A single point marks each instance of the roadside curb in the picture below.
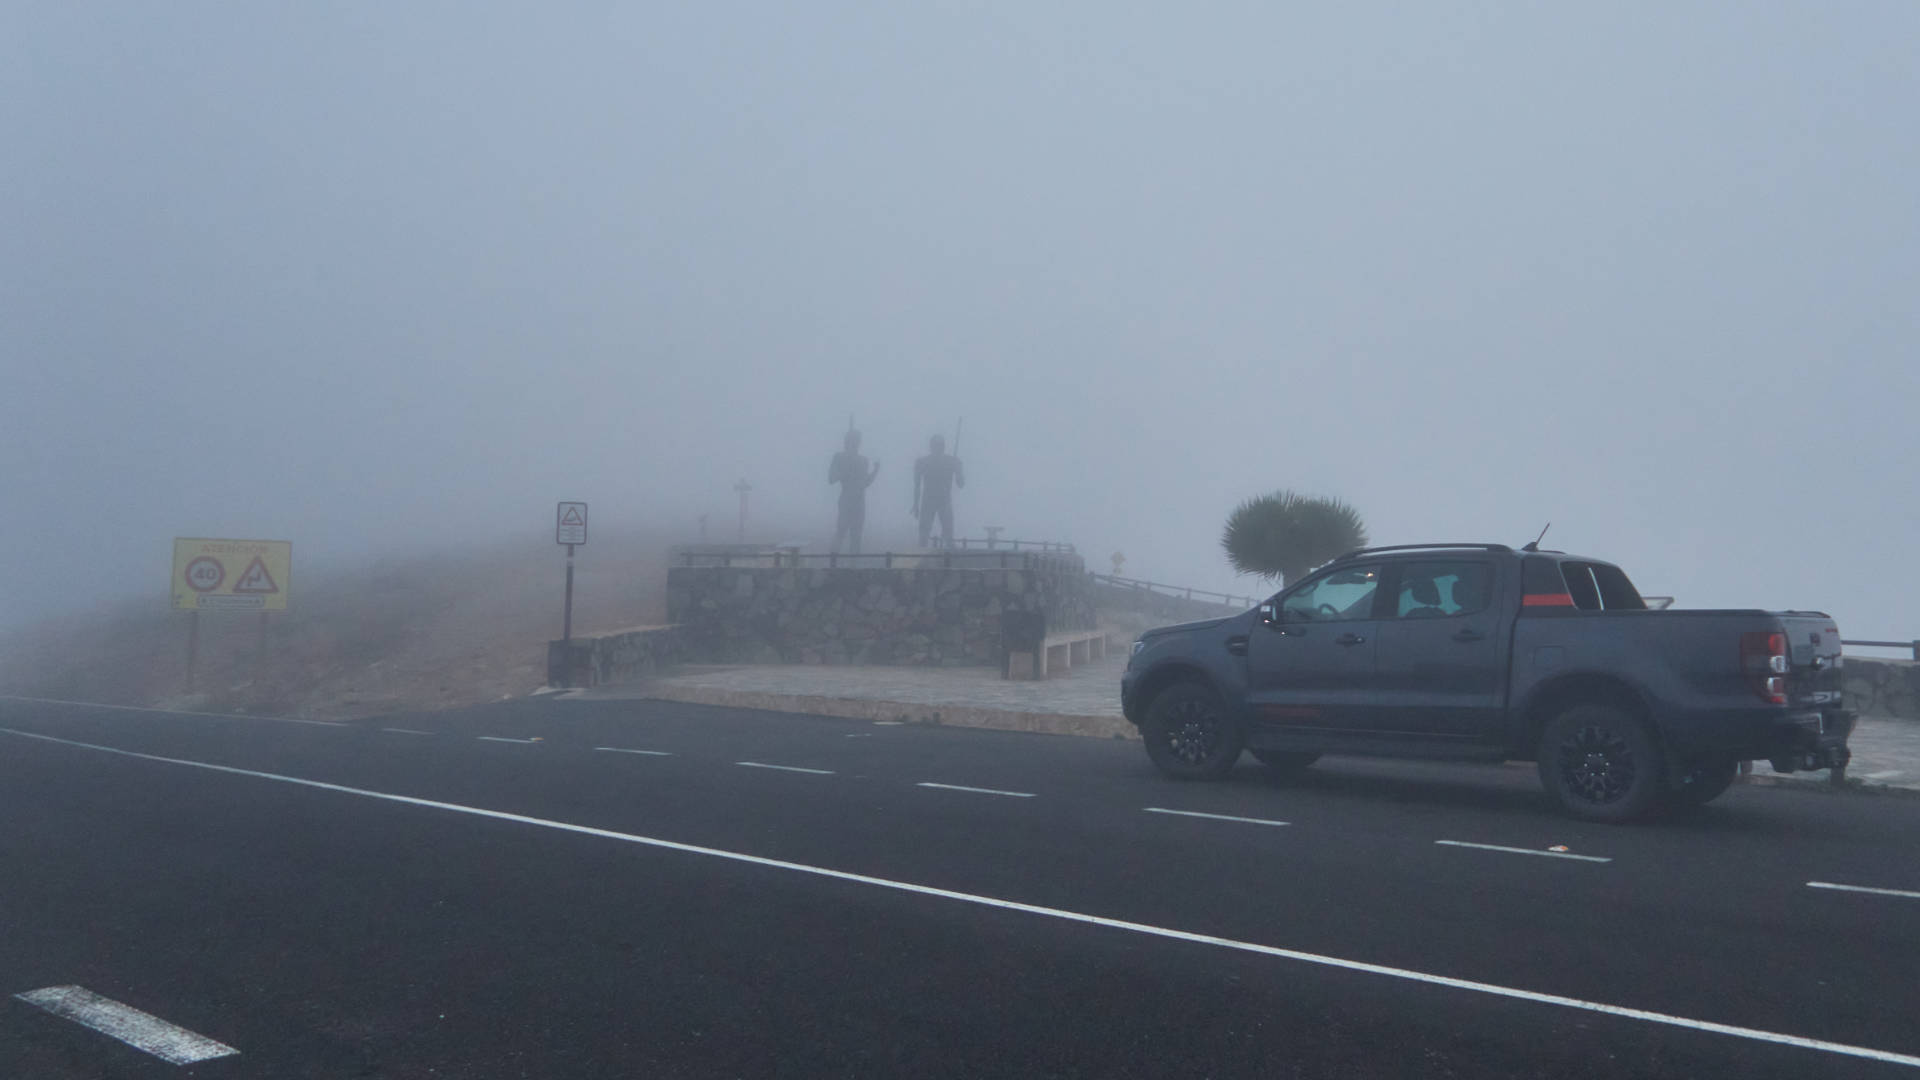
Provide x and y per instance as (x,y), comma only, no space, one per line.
(905,712)
(1853,786)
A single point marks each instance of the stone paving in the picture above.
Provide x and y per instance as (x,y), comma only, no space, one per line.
(1084,701)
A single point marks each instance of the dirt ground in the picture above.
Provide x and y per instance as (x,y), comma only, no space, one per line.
(404,634)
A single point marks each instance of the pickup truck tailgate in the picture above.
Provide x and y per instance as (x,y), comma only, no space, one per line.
(1813,648)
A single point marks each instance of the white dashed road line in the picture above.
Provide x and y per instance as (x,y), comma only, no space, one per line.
(1215,817)
(502,738)
(142,1031)
(1510,993)
(976,790)
(406,731)
(624,750)
(784,768)
(1864,889)
(1523,851)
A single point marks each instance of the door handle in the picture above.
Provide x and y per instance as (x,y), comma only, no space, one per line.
(1469,635)
(1350,639)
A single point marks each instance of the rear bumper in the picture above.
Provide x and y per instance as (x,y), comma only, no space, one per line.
(1790,741)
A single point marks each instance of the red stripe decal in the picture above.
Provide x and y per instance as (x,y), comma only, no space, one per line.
(1547,600)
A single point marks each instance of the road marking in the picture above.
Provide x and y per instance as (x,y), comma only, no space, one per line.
(1145,929)
(1524,851)
(142,1031)
(502,738)
(859,735)
(784,768)
(173,712)
(1884,774)
(406,731)
(1862,888)
(1215,817)
(624,750)
(976,790)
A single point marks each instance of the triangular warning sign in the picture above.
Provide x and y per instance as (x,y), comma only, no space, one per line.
(256,579)
(572,517)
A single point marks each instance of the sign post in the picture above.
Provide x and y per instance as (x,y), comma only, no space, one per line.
(228,575)
(569,528)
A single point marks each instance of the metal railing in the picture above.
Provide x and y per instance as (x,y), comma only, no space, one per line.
(944,558)
(1181,591)
(991,543)
(1914,645)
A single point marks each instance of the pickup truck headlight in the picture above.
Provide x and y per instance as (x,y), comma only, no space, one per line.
(1138,644)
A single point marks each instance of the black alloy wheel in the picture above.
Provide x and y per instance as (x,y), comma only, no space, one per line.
(1600,763)
(1188,733)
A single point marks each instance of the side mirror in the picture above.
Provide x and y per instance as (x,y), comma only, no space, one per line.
(1270,613)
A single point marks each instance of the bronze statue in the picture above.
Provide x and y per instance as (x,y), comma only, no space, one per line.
(934,478)
(852,472)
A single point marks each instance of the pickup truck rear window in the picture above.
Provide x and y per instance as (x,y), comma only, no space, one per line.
(1600,587)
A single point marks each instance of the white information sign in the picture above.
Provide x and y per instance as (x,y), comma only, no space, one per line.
(570,524)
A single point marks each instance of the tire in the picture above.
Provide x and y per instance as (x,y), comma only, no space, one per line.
(1285,761)
(1188,733)
(1705,781)
(1600,763)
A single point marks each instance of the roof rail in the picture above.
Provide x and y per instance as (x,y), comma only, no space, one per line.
(1357,552)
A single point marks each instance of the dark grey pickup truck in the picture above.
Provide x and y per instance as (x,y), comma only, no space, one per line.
(1481,652)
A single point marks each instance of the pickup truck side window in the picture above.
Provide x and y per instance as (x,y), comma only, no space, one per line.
(1434,590)
(1347,593)
(1601,587)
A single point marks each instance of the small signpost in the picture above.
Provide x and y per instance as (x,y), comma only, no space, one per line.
(228,575)
(569,528)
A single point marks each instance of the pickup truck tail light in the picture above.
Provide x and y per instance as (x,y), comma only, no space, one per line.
(1763,660)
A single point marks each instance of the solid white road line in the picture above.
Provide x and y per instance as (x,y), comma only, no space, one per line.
(142,1031)
(172,712)
(1862,888)
(976,790)
(624,750)
(1146,929)
(406,731)
(784,768)
(1524,851)
(502,738)
(1215,817)
(1884,774)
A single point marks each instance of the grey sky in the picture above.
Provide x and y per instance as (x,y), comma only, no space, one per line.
(384,277)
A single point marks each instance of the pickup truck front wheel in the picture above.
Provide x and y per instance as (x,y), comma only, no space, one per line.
(1599,763)
(1188,733)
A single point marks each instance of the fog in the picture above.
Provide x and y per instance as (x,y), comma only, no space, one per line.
(394,278)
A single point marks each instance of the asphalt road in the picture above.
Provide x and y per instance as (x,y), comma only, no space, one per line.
(430,896)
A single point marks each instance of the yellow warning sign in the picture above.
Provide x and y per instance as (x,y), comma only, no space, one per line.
(231,575)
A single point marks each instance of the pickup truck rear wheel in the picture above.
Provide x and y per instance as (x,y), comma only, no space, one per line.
(1188,733)
(1600,763)
(1284,761)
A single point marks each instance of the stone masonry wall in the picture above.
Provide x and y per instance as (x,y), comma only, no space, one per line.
(620,657)
(1877,687)
(925,616)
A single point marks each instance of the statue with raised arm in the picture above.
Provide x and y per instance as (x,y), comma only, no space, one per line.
(934,478)
(851,470)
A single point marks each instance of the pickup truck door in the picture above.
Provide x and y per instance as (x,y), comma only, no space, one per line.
(1441,665)
(1310,657)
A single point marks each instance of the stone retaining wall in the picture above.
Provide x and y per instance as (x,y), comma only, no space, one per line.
(1877,687)
(620,657)
(927,616)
